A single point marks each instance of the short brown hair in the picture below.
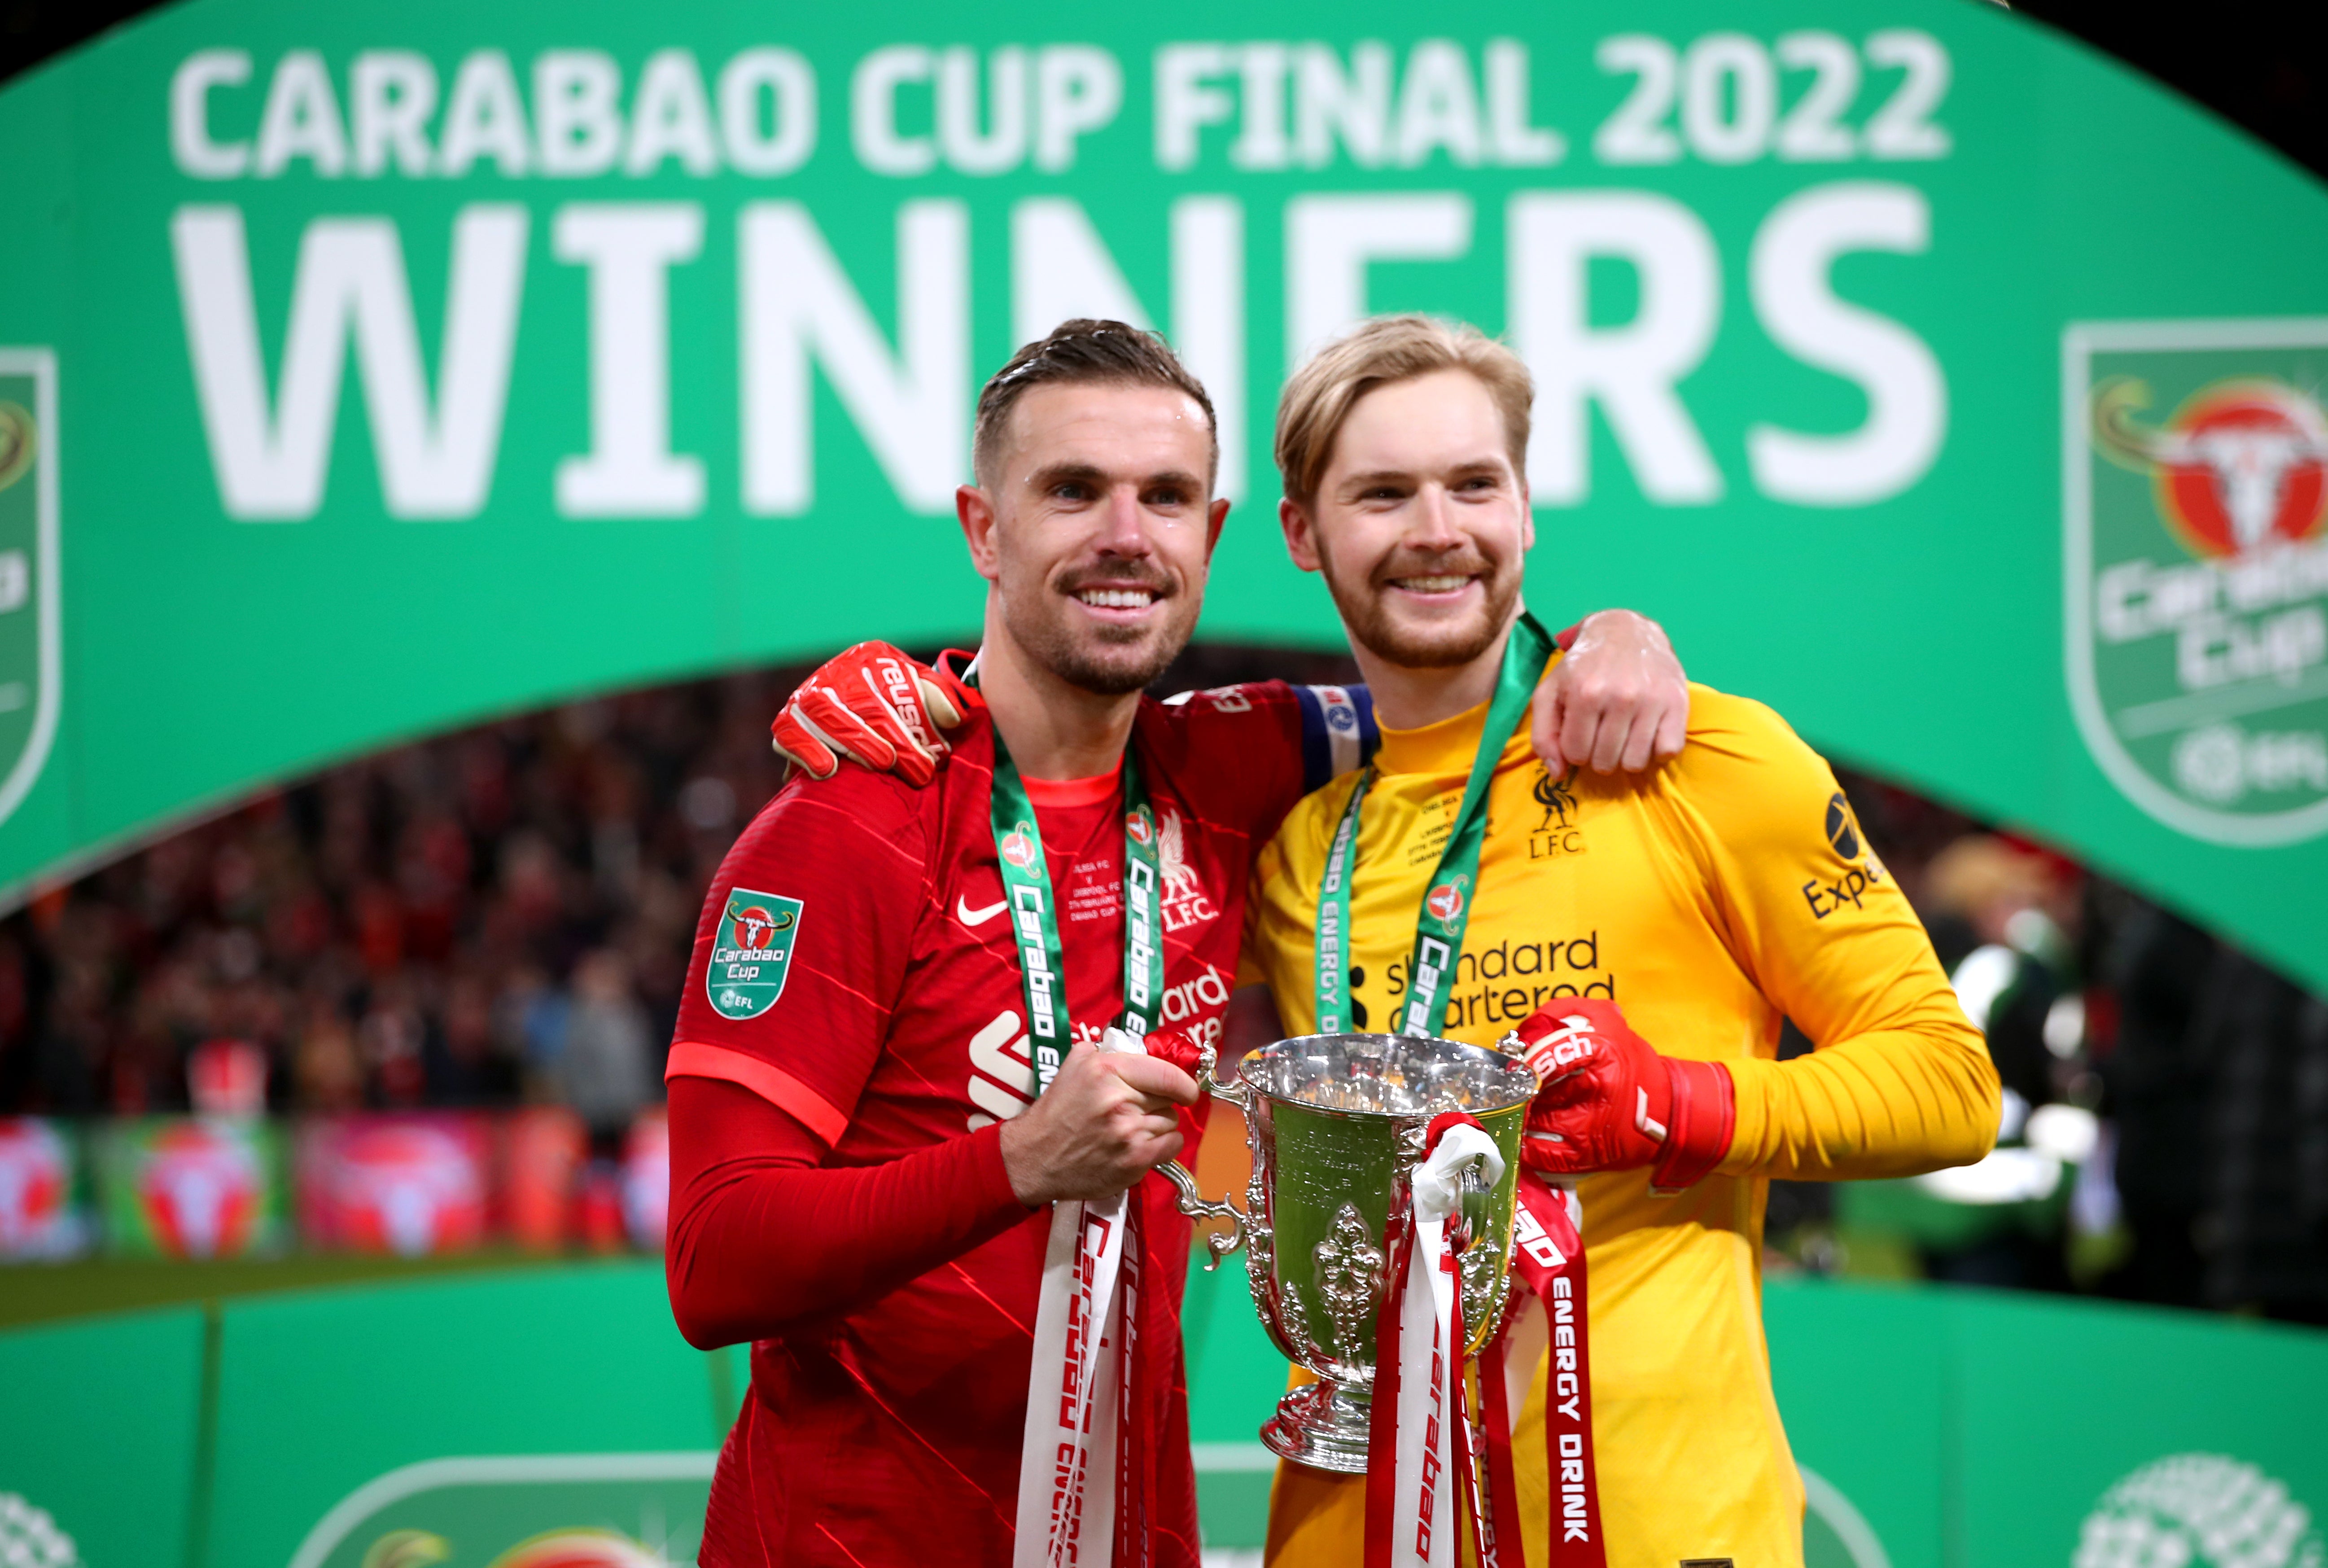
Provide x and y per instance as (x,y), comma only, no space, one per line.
(1087,352)
(1318,400)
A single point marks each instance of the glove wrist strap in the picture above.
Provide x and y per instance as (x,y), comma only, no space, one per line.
(1703,1118)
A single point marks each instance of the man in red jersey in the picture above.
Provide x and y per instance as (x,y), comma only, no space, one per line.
(885,1074)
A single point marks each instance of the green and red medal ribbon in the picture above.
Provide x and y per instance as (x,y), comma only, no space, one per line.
(1034,913)
(1549,1254)
(1446,909)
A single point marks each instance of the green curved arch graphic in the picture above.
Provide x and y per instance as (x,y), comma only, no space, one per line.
(425,363)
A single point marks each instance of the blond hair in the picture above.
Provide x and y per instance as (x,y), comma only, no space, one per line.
(1316,402)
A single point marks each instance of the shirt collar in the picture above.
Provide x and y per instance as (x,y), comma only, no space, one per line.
(1447,747)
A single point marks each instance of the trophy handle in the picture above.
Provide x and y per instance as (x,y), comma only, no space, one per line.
(1193,1202)
(1209,1080)
(1195,1205)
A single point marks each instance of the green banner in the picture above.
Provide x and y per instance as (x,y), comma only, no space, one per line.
(555,1417)
(482,1412)
(368,369)
(101,1457)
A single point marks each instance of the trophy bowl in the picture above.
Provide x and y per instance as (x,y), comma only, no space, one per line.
(1336,1123)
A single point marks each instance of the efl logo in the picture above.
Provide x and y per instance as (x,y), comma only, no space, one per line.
(2195,514)
(1141,829)
(1446,902)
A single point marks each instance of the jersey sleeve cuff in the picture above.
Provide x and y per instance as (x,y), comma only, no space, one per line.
(695,1059)
(1705,1123)
(1751,1084)
(990,1174)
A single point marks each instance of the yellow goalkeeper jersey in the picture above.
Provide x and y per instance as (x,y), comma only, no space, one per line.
(1724,893)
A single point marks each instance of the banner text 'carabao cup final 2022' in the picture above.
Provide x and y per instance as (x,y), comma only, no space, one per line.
(370,369)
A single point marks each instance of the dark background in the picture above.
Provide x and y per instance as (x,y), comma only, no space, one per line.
(2263,66)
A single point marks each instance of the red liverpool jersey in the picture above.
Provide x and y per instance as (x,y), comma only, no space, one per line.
(854,966)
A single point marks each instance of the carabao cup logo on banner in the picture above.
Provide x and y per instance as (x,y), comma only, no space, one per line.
(203,1188)
(31,640)
(410,1187)
(2196,509)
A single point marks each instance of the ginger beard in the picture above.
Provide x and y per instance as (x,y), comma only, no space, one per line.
(1103,532)
(1421,523)
(1394,610)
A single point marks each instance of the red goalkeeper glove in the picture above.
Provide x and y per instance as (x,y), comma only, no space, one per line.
(873,705)
(1609,1101)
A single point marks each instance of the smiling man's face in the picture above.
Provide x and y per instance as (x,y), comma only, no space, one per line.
(1102,528)
(1420,523)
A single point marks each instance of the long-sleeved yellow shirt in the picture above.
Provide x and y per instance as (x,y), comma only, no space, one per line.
(1727,891)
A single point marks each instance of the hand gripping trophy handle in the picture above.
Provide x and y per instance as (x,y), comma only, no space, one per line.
(1193,1202)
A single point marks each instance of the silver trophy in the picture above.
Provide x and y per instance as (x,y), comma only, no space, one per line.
(1336,1123)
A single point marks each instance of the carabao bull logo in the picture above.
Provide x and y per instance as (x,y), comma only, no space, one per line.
(2241,467)
(2196,509)
(756,928)
(202,1188)
(30,630)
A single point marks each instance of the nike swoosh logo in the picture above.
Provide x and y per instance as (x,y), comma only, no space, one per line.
(969,917)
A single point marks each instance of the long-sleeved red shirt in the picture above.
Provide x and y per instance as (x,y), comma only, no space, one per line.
(763,1240)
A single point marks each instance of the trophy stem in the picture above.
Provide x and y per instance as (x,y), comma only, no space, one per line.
(1324,1425)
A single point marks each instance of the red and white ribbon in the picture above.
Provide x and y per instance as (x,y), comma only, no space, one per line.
(1079,1463)
(1426,1472)
(1420,1479)
(1548,1256)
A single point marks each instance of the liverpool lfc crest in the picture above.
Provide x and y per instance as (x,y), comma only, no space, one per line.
(2195,469)
(30,637)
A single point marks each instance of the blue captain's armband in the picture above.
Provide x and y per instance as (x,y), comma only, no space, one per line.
(1338,731)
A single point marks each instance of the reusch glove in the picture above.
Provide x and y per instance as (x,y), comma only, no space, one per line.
(1607,1101)
(873,705)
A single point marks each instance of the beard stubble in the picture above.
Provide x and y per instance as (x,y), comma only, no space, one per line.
(1139,655)
(1371,623)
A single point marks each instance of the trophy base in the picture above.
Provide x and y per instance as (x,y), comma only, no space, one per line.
(1322,1425)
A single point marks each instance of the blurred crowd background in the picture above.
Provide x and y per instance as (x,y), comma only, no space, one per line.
(465,956)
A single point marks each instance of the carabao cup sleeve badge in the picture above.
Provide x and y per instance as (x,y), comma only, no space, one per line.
(751,953)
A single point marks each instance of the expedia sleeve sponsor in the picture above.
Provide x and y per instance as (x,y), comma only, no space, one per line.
(1830,892)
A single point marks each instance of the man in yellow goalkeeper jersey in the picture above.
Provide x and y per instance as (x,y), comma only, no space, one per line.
(1706,902)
